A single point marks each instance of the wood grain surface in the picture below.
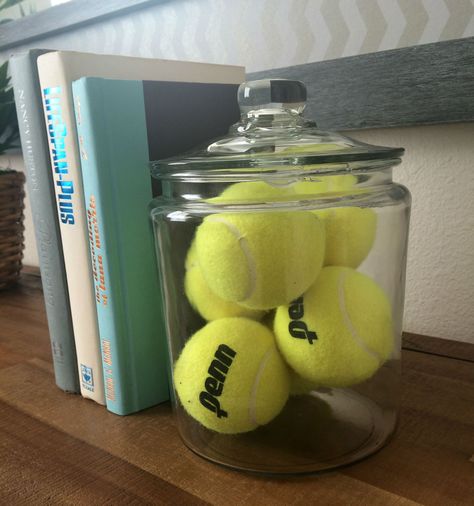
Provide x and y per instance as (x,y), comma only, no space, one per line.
(57,448)
(419,85)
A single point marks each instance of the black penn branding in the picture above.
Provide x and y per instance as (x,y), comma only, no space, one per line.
(297,327)
(214,384)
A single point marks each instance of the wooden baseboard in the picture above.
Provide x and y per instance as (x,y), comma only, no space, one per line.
(458,350)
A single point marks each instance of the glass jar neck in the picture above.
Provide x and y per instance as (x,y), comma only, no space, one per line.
(271,118)
(338,186)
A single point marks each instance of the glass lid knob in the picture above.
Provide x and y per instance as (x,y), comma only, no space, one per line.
(271,94)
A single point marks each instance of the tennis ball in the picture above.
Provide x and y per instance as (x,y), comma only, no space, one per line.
(341,182)
(230,376)
(340,332)
(350,231)
(253,191)
(350,234)
(204,300)
(311,187)
(324,184)
(300,385)
(267,320)
(260,260)
(309,149)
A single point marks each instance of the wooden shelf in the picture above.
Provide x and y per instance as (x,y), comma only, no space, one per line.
(60,448)
(420,85)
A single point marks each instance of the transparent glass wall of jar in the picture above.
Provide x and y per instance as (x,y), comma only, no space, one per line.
(283,278)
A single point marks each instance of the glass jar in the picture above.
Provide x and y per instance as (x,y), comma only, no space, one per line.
(282,250)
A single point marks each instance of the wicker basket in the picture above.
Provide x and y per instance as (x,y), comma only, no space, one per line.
(11,226)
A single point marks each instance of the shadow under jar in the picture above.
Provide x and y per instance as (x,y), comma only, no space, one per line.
(282,251)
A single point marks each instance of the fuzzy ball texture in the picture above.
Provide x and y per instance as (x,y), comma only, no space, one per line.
(300,385)
(230,376)
(204,300)
(350,234)
(260,260)
(339,183)
(254,191)
(340,332)
(308,149)
(350,231)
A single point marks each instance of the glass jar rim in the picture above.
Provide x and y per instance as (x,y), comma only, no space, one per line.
(235,168)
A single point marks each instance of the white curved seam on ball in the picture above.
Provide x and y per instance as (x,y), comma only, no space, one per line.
(347,320)
(248,256)
(253,394)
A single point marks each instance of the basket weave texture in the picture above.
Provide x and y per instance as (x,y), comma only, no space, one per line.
(11,226)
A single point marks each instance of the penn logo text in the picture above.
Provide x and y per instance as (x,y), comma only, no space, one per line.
(214,384)
(297,327)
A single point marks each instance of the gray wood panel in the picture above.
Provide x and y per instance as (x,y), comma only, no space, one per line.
(63,17)
(419,85)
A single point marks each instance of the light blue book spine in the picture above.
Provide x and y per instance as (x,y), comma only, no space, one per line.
(112,136)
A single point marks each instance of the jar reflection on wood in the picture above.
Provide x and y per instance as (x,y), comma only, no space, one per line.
(282,250)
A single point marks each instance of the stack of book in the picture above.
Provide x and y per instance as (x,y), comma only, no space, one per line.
(89,126)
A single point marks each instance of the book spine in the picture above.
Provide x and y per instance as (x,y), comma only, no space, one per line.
(35,149)
(65,164)
(98,200)
(113,137)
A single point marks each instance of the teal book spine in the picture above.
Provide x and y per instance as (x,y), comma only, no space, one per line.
(112,138)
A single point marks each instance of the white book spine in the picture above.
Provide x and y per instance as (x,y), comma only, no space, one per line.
(65,163)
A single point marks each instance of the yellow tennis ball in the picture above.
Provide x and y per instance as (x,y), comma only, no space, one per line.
(315,148)
(204,300)
(260,260)
(267,320)
(339,183)
(230,376)
(350,231)
(300,385)
(340,332)
(310,188)
(350,234)
(253,191)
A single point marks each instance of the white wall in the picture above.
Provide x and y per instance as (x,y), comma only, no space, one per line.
(438,169)
(263,34)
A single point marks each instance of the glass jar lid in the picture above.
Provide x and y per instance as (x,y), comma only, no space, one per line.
(273,137)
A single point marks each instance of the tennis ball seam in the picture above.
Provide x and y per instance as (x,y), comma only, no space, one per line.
(243,244)
(256,382)
(348,322)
